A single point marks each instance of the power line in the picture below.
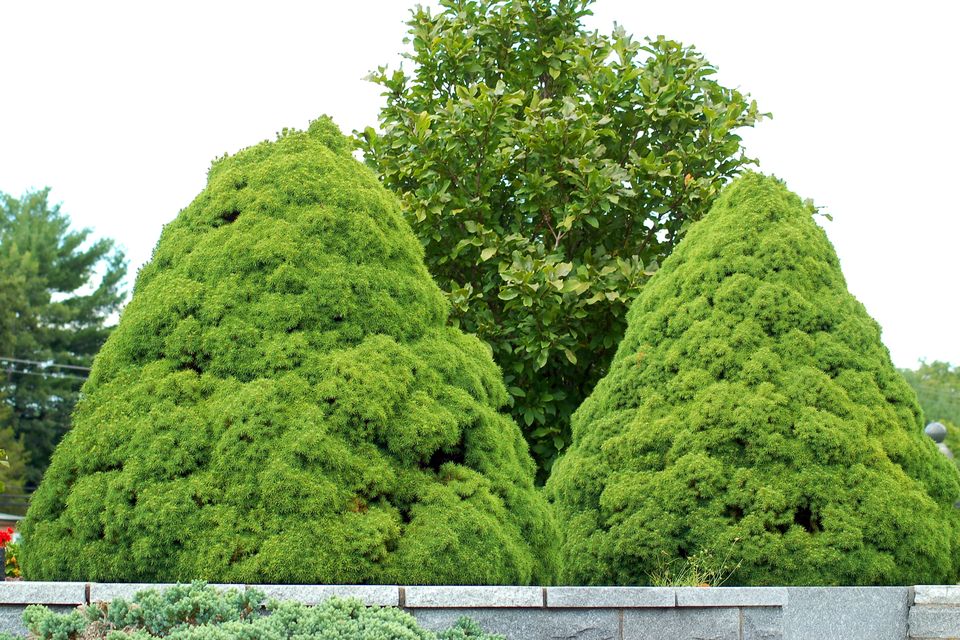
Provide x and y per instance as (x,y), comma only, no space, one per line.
(45,364)
(44,375)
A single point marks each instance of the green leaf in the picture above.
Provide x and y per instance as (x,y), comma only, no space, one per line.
(488,253)
(571,356)
(507,294)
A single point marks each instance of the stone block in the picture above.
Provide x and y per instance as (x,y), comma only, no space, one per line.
(29,592)
(713,623)
(459,597)
(934,622)
(370,595)
(530,624)
(936,594)
(731,596)
(610,597)
(108,591)
(846,613)
(762,623)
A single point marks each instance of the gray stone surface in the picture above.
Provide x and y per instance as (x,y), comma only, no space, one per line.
(731,596)
(762,623)
(934,622)
(417,597)
(936,431)
(11,618)
(625,597)
(714,623)
(26,592)
(531,624)
(846,613)
(107,591)
(936,594)
(371,595)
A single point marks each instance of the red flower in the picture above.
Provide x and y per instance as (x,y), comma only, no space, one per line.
(6,536)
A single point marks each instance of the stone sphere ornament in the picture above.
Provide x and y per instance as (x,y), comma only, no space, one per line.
(937,431)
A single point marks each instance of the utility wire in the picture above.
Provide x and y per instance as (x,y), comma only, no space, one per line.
(45,364)
(44,375)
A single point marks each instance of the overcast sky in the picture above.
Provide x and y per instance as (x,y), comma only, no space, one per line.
(121,106)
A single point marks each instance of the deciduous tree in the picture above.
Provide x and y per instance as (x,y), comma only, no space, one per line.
(547,169)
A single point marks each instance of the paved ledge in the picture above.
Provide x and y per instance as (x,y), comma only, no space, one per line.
(107,591)
(470,597)
(21,592)
(370,595)
(731,596)
(610,597)
(936,594)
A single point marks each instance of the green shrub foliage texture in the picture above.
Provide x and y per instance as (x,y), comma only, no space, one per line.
(283,401)
(752,411)
(199,612)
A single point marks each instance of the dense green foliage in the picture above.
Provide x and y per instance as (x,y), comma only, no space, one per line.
(547,169)
(283,401)
(57,292)
(200,612)
(752,407)
(938,389)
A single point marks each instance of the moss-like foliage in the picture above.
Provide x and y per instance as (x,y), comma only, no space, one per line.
(282,401)
(752,412)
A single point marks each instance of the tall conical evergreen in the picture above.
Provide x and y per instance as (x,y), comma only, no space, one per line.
(282,402)
(752,412)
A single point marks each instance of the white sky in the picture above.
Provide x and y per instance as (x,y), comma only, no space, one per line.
(121,106)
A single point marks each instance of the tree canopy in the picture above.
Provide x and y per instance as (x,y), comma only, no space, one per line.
(58,292)
(547,169)
(753,408)
(283,401)
(938,389)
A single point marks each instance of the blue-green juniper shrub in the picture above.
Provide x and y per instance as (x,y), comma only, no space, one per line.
(283,401)
(200,612)
(753,408)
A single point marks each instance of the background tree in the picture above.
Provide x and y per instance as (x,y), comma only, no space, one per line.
(547,170)
(58,295)
(938,389)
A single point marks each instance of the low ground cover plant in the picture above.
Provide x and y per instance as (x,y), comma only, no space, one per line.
(752,399)
(200,612)
(283,401)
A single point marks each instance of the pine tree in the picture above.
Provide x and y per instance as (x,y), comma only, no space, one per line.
(752,411)
(58,292)
(283,402)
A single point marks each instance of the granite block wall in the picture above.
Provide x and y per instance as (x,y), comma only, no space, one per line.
(602,613)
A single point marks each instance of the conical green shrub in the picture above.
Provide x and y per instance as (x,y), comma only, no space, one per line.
(283,402)
(753,414)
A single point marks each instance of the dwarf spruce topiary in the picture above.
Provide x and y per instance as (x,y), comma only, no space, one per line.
(752,413)
(282,402)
